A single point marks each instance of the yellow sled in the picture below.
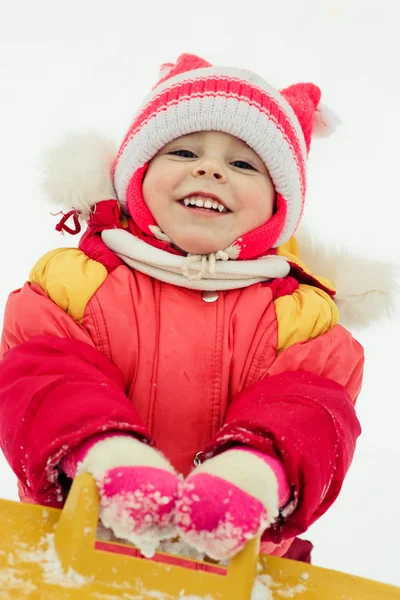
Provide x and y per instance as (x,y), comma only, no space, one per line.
(49,554)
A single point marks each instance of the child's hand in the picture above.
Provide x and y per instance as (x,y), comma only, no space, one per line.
(138,487)
(230,499)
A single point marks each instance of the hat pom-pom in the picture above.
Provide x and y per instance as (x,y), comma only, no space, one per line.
(165,69)
(325,121)
(78,173)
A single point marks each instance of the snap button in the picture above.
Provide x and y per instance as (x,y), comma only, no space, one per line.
(210,296)
(197,459)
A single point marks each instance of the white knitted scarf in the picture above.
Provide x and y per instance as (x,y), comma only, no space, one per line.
(211,272)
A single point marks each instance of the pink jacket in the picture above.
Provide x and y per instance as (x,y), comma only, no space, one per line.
(91,345)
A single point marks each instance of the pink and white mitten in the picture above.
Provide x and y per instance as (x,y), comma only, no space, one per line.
(137,485)
(230,499)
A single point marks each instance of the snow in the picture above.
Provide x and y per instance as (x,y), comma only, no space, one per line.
(11,580)
(261,589)
(222,541)
(51,85)
(115,514)
(52,570)
(175,546)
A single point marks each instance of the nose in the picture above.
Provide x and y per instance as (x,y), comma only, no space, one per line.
(209,169)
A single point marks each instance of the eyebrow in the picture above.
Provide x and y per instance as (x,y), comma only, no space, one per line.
(240,144)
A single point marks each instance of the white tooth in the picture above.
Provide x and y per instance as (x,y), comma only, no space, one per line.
(192,201)
(186,202)
(200,203)
(221,208)
(208,204)
(215,204)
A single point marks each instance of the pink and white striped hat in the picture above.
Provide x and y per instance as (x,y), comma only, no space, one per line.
(192,95)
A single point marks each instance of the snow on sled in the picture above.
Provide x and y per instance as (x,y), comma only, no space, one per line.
(52,554)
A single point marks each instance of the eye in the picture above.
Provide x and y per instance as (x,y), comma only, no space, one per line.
(183,153)
(242,164)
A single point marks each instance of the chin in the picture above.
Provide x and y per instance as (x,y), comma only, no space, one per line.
(199,248)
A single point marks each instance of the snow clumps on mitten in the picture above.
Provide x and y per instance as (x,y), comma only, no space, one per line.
(138,487)
(230,499)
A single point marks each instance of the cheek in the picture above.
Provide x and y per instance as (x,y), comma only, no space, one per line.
(160,181)
(262,202)
(150,184)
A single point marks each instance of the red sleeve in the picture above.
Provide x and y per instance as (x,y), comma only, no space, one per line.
(54,393)
(305,416)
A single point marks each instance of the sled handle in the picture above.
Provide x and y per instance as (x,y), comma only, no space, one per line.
(75,538)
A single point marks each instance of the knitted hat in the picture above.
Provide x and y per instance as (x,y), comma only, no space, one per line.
(194,96)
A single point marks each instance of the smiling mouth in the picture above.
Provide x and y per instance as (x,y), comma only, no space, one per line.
(205,204)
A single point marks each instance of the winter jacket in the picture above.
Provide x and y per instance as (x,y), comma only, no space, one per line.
(92,345)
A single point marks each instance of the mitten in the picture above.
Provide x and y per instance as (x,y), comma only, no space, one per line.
(230,499)
(137,486)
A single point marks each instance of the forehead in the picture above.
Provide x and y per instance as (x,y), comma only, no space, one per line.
(213,136)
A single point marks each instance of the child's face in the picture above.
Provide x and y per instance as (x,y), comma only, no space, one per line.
(208,166)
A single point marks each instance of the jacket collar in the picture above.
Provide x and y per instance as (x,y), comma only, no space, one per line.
(109,228)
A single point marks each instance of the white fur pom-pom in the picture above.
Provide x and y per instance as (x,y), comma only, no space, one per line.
(325,121)
(78,172)
(366,290)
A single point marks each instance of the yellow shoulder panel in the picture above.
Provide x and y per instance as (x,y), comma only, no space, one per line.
(291,251)
(69,278)
(306,314)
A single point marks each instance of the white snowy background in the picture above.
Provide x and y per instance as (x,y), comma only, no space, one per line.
(87,64)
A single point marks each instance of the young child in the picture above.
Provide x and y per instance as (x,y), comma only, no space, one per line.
(184,355)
